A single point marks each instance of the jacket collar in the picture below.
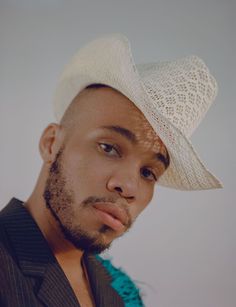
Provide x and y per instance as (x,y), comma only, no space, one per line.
(35,259)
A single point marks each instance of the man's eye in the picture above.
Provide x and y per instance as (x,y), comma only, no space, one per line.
(148,174)
(111,150)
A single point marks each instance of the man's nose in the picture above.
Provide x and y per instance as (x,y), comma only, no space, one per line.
(125,183)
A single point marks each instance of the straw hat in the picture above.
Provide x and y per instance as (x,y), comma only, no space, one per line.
(174,96)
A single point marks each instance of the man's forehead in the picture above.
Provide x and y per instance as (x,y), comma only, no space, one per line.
(112,108)
(135,119)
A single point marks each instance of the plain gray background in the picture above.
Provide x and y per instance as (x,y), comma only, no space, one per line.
(182,248)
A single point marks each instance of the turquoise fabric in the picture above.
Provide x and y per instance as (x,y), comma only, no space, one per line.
(122,284)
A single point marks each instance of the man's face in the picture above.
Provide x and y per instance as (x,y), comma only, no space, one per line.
(105,171)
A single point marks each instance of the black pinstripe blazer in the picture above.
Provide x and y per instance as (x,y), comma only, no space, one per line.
(29,273)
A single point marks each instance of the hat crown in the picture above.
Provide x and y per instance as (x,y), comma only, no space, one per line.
(181,90)
(173,96)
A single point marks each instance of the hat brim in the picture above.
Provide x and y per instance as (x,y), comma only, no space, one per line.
(109,61)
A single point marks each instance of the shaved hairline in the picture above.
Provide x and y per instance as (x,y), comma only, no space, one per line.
(67,121)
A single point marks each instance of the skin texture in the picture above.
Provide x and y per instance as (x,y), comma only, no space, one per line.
(85,164)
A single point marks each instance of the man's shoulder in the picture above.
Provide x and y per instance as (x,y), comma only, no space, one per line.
(3,232)
(5,243)
(7,257)
(9,225)
(122,283)
(6,217)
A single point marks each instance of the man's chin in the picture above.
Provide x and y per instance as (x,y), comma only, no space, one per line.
(87,243)
(89,247)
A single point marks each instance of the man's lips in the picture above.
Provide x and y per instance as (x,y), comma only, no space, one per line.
(111,215)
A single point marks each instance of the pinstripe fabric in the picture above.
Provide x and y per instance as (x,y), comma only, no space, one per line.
(29,273)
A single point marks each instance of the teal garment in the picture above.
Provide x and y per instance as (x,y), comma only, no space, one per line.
(122,284)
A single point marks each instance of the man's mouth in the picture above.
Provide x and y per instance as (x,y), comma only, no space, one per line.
(112,216)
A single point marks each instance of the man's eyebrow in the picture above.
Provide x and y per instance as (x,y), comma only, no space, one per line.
(130,136)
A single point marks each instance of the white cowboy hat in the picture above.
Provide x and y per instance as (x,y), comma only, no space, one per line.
(174,96)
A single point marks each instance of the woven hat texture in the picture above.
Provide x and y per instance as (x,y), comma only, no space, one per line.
(174,96)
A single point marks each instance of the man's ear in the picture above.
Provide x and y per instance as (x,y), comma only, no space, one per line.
(50,142)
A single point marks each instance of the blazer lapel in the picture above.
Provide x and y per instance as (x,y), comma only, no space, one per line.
(35,258)
(100,282)
(55,289)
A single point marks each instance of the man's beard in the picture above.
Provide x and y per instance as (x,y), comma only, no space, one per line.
(59,200)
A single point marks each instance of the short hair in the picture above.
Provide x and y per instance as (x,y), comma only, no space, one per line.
(96,85)
(67,118)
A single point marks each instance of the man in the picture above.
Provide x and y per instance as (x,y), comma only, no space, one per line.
(121,130)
